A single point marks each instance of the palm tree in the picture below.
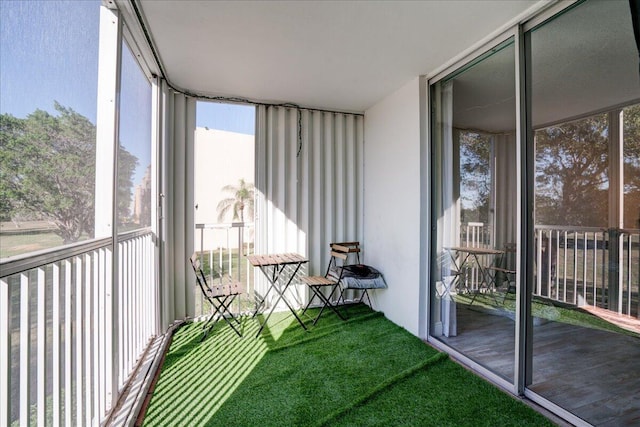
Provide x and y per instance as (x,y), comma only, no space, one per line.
(242,199)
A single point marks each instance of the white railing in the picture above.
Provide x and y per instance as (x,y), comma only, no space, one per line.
(223,247)
(589,266)
(629,301)
(475,235)
(58,355)
(139,299)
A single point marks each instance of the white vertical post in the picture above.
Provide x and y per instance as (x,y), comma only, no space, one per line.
(136,285)
(97,353)
(67,342)
(41,361)
(146,299)
(109,59)
(106,122)
(89,270)
(5,353)
(79,338)
(575,267)
(564,268)
(229,253)
(595,269)
(103,327)
(25,350)
(56,348)
(584,267)
(628,262)
(123,280)
(556,254)
(539,263)
(154,301)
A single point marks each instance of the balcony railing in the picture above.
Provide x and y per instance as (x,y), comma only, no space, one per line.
(223,248)
(575,265)
(589,266)
(62,353)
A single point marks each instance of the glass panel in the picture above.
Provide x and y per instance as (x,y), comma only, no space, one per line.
(49,68)
(134,153)
(474,186)
(572,167)
(584,322)
(631,117)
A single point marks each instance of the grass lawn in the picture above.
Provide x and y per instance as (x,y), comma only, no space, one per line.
(16,244)
(366,371)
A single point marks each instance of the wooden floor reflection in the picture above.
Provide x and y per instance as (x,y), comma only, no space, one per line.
(593,374)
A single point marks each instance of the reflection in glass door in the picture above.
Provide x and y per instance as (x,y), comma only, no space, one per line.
(584,325)
(474,209)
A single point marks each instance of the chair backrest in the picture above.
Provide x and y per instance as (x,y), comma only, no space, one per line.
(200,277)
(342,250)
(510,256)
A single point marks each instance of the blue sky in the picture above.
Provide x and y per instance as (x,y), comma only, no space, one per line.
(49,52)
(229,117)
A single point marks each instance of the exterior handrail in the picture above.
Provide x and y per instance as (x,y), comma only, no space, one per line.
(224,225)
(23,262)
(569,228)
(27,261)
(134,233)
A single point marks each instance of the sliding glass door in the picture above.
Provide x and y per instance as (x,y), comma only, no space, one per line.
(584,91)
(551,307)
(473,298)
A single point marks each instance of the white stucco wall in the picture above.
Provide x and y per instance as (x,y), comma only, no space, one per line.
(221,158)
(392,202)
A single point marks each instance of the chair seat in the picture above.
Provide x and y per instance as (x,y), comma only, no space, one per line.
(318,281)
(315,284)
(341,276)
(220,296)
(228,289)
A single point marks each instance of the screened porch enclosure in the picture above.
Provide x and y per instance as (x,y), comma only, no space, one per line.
(545,122)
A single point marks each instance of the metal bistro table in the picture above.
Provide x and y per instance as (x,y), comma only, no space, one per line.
(272,266)
(467,252)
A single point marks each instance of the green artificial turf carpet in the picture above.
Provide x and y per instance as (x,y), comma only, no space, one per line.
(366,371)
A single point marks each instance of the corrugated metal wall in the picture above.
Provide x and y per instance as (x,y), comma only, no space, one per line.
(178,124)
(309,189)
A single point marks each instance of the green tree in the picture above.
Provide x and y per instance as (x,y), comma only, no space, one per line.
(47,170)
(572,173)
(475,176)
(11,130)
(127,163)
(242,200)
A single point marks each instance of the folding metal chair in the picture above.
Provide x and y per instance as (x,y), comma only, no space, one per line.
(344,275)
(504,270)
(357,277)
(220,297)
(318,284)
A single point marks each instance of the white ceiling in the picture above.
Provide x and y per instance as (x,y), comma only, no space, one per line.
(581,62)
(339,55)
